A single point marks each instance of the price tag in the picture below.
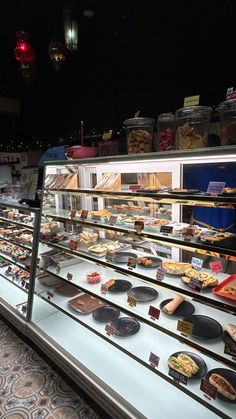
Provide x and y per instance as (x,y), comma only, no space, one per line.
(197,263)
(73,244)
(216,266)
(113,219)
(132,263)
(109,257)
(185,327)
(195,284)
(110,330)
(84,214)
(46,264)
(134,188)
(132,301)
(69,276)
(24,308)
(208,388)
(215,188)
(96,218)
(230,348)
(166,229)
(180,378)
(104,288)
(191,100)
(160,274)
(154,313)
(49,295)
(107,135)
(72,214)
(58,269)
(138,226)
(154,360)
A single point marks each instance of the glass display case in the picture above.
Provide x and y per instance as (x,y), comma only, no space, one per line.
(19,227)
(135,288)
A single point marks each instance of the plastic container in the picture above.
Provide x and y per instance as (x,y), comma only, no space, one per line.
(139,134)
(227,113)
(193,126)
(166,127)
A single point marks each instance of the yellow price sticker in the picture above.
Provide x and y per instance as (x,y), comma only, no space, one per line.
(107,135)
(132,301)
(185,327)
(191,100)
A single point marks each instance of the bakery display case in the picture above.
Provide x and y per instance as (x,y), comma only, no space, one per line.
(19,226)
(128,282)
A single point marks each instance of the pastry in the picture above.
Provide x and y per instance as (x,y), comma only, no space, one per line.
(175,268)
(190,362)
(145,261)
(173,304)
(223,386)
(231,330)
(229,290)
(179,366)
(109,283)
(184,364)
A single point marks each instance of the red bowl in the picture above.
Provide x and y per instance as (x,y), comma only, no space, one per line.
(79,152)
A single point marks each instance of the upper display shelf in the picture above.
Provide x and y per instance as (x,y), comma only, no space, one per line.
(17,206)
(208,152)
(155,197)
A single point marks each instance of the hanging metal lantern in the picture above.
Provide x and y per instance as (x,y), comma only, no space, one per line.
(24,52)
(57,54)
(70,26)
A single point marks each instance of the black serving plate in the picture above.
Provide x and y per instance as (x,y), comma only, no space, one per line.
(229,375)
(184,309)
(106,314)
(143,294)
(123,257)
(155,262)
(120,285)
(199,361)
(125,326)
(204,327)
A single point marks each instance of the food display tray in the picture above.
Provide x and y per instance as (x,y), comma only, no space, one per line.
(230,281)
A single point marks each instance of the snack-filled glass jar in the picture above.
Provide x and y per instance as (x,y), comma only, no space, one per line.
(227,112)
(193,126)
(139,134)
(166,127)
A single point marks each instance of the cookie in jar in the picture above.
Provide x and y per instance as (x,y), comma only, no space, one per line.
(139,134)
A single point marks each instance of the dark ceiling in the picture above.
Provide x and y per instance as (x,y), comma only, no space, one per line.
(133,55)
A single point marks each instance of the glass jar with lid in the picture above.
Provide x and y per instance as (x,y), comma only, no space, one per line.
(227,113)
(139,134)
(193,126)
(166,128)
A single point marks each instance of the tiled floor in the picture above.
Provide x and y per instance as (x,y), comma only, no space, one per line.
(30,388)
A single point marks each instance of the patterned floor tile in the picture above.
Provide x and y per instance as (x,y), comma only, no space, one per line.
(30,388)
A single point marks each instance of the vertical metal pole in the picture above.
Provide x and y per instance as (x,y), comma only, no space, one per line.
(35,245)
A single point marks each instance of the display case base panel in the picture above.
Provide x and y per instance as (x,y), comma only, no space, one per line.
(120,372)
(11,294)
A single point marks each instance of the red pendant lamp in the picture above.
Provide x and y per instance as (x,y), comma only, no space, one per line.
(24,52)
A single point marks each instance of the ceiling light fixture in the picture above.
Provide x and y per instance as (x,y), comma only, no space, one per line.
(57,53)
(24,52)
(70,26)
